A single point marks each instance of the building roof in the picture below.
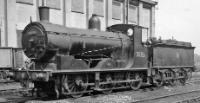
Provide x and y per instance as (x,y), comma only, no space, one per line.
(150,2)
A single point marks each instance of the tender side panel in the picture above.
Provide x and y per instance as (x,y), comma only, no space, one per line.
(173,56)
(6,58)
(18,58)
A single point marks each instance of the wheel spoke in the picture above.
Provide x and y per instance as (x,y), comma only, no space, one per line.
(135,85)
(71,84)
(158,79)
(189,75)
(184,75)
(108,86)
(73,88)
(76,87)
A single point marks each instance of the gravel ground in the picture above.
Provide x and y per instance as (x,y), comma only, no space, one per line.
(183,98)
(9,86)
(132,96)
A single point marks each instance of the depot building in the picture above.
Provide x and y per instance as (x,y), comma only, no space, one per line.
(16,14)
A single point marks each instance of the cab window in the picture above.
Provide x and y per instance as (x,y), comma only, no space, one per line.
(144,35)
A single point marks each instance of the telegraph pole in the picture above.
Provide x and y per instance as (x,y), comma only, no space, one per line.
(6,22)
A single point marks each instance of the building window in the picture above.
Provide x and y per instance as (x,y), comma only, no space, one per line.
(117,10)
(98,7)
(25,1)
(77,6)
(133,14)
(54,4)
(134,2)
(146,18)
(148,6)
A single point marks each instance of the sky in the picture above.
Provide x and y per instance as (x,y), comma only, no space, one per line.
(179,19)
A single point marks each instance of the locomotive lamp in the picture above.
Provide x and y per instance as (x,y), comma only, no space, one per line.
(130,32)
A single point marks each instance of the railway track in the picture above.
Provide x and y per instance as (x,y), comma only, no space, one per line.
(192,97)
(165,98)
(118,95)
(6,85)
(6,81)
(177,94)
(195,80)
(190,100)
(20,91)
(132,97)
(10,87)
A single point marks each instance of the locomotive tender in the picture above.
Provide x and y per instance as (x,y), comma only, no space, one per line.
(71,61)
(11,58)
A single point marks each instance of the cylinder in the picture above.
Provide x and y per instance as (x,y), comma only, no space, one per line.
(44,13)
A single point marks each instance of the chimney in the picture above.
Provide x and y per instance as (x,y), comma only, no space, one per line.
(44,13)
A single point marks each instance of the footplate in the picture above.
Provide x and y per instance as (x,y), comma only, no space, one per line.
(32,75)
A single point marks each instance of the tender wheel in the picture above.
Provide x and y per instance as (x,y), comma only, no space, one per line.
(184,75)
(25,83)
(108,87)
(3,75)
(76,85)
(172,82)
(182,81)
(189,74)
(158,79)
(135,85)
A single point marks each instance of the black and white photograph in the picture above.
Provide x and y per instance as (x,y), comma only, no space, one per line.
(99,51)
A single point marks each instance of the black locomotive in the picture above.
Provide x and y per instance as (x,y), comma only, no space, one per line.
(71,61)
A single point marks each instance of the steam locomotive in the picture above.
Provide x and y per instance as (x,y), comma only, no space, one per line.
(71,61)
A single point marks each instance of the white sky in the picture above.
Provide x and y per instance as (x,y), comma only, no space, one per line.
(179,19)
